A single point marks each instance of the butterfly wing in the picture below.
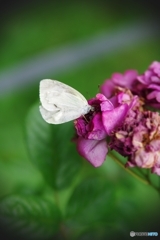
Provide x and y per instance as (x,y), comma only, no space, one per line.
(60,102)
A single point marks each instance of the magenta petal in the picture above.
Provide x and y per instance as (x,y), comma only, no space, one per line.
(156,170)
(117,78)
(114,118)
(97,132)
(106,105)
(154,94)
(101,97)
(154,86)
(126,79)
(107,88)
(155,146)
(92,150)
(130,76)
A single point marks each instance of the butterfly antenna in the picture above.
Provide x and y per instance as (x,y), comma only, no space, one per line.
(85,118)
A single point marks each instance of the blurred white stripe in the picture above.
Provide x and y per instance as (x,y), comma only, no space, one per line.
(54,61)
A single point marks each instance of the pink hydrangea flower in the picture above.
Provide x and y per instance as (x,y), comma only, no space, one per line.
(146,85)
(138,138)
(149,84)
(93,128)
(119,121)
(125,80)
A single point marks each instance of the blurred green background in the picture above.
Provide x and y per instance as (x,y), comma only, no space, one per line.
(34,27)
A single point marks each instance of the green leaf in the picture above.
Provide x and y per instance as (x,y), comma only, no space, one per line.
(33,217)
(52,150)
(92,202)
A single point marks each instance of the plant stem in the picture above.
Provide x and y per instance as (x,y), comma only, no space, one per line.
(146,180)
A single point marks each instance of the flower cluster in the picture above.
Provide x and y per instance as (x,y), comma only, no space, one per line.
(119,120)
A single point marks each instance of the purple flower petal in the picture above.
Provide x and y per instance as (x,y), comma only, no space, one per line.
(156,167)
(92,150)
(154,145)
(80,127)
(118,80)
(154,86)
(154,95)
(149,85)
(156,170)
(114,118)
(142,159)
(101,97)
(107,88)
(125,80)
(97,131)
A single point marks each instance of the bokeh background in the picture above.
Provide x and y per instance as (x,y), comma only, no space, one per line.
(80,43)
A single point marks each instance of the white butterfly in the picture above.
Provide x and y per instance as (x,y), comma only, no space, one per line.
(60,102)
